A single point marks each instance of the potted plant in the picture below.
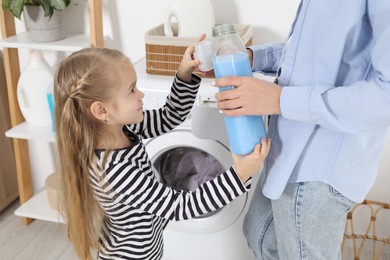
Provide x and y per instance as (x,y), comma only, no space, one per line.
(43,17)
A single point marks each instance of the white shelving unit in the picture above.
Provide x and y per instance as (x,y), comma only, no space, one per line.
(72,42)
(36,206)
(30,132)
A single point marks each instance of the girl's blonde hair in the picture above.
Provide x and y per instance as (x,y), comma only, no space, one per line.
(84,77)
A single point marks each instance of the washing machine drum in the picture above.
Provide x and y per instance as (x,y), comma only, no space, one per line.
(186,168)
(183,162)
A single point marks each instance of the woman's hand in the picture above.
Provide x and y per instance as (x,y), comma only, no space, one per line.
(188,64)
(248,165)
(251,96)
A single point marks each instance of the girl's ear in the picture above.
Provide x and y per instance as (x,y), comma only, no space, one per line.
(98,111)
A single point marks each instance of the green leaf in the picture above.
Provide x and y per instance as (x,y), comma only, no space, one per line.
(58,5)
(16,7)
(46,7)
(5,5)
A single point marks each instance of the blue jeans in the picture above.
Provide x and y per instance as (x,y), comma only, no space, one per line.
(306,222)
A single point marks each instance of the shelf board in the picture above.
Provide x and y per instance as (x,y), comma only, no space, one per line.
(72,42)
(30,132)
(38,208)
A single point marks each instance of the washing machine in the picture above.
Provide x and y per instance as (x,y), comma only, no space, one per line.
(201,138)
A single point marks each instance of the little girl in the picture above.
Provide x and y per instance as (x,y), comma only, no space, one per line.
(111,196)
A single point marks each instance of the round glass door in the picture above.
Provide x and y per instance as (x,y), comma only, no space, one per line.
(184,162)
(186,168)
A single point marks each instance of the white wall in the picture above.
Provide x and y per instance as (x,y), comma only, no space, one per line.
(126,21)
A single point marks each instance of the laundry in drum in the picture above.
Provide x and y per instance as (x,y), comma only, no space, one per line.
(186,168)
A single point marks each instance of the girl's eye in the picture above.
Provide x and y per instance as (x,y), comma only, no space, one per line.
(131,91)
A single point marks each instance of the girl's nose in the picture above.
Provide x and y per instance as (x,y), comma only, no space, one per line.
(141,94)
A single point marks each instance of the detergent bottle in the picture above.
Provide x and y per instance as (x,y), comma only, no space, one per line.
(32,90)
(230,59)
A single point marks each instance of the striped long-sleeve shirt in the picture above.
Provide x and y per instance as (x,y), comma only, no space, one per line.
(137,206)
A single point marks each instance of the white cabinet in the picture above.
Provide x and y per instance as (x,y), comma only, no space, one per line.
(35,206)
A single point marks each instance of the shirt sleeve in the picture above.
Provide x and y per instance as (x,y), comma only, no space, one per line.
(134,188)
(266,58)
(358,107)
(176,109)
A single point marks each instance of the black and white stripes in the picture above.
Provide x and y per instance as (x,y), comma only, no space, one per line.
(136,204)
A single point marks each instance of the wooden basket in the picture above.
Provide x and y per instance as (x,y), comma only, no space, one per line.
(377,210)
(52,189)
(164,54)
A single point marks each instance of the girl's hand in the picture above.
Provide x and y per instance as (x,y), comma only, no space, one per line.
(206,74)
(248,165)
(188,64)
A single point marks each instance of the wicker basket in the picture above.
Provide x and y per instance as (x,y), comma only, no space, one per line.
(51,185)
(163,54)
(370,234)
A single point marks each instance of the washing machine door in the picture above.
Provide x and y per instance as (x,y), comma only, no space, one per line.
(183,162)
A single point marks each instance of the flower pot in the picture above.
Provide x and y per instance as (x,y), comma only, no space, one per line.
(44,29)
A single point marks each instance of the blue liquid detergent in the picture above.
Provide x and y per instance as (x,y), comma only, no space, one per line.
(50,101)
(244,132)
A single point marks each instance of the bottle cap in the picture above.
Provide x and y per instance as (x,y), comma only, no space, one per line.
(223,29)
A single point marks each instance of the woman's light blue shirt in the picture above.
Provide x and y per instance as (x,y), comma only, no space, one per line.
(335,100)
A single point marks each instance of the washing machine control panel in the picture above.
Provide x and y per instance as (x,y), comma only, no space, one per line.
(154,98)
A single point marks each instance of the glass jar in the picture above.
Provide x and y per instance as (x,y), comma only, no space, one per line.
(231,59)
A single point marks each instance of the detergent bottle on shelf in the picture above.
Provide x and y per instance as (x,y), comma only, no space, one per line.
(230,59)
(32,90)
(50,102)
